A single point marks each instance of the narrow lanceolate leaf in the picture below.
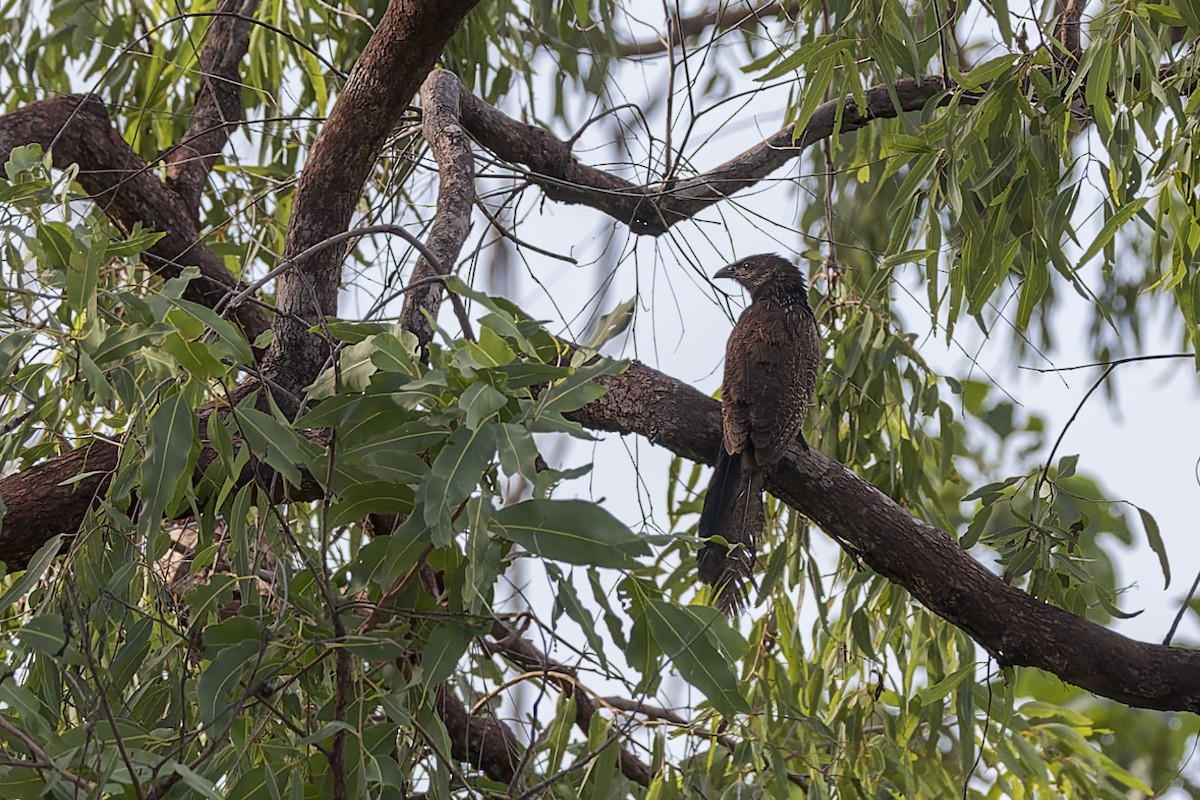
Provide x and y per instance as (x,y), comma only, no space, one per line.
(169,455)
(573,531)
(1111,225)
(1156,544)
(455,474)
(687,640)
(38,565)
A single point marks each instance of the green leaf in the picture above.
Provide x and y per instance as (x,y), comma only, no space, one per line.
(276,444)
(1111,225)
(197,783)
(687,640)
(517,450)
(170,456)
(45,633)
(945,686)
(33,573)
(1154,537)
(1066,466)
(443,650)
(456,472)
(220,683)
(481,402)
(370,497)
(577,390)
(572,531)
(612,325)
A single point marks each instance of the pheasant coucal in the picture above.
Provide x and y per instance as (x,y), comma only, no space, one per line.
(770,371)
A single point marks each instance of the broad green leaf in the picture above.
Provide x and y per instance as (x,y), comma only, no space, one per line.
(687,640)
(481,402)
(572,531)
(220,684)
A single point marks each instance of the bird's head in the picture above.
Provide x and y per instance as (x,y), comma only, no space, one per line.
(756,271)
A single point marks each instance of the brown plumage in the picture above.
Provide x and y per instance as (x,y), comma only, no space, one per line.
(770,371)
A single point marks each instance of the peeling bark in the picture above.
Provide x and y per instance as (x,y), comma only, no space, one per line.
(456,195)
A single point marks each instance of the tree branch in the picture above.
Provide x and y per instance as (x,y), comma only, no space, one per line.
(484,743)
(522,652)
(456,196)
(218,107)
(1017,629)
(409,38)
(723,18)
(76,130)
(653,210)
(1014,627)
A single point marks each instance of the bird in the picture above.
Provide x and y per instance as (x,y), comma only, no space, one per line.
(771,362)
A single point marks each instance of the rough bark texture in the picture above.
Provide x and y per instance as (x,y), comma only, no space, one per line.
(456,195)
(482,742)
(408,40)
(653,210)
(76,130)
(1011,625)
(522,652)
(218,107)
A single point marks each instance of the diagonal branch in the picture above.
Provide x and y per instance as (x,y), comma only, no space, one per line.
(653,210)
(522,652)
(76,130)
(456,196)
(218,107)
(410,36)
(1013,626)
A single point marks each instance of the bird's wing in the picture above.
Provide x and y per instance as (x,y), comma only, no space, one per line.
(770,370)
(750,364)
(777,418)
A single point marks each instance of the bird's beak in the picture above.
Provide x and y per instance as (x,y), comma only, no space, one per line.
(724,272)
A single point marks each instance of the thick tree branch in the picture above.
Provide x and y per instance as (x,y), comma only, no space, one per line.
(456,196)
(76,130)
(218,107)
(652,210)
(1014,627)
(409,38)
(484,743)
(724,18)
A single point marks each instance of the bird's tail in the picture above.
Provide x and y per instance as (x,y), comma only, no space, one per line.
(733,509)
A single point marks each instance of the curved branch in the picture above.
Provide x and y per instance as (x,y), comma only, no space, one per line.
(1014,627)
(399,55)
(653,210)
(456,196)
(522,652)
(76,129)
(218,107)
